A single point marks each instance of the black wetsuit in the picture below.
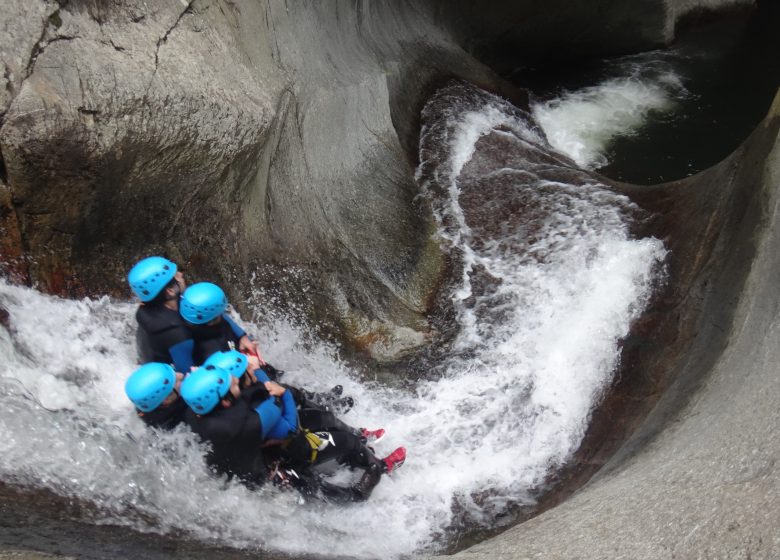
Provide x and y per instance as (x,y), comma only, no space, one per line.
(317,418)
(213,338)
(345,449)
(165,417)
(330,401)
(164,337)
(235,434)
(348,449)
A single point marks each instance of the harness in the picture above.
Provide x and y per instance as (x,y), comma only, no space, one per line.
(317,441)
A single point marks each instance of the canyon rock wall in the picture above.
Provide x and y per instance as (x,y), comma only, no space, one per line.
(267,144)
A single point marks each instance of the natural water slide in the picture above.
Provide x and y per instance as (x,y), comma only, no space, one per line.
(580,367)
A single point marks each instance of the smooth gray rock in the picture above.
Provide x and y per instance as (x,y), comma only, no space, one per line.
(121,125)
(284,135)
(30,555)
(237,138)
(22,25)
(260,144)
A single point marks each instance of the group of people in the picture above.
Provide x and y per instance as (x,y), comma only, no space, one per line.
(201,368)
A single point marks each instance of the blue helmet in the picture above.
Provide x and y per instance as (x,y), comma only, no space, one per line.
(149,276)
(149,385)
(232,361)
(202,302)
(205,387)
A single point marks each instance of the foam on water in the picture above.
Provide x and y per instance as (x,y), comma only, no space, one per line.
(582,123)
(543,340)
(503,412)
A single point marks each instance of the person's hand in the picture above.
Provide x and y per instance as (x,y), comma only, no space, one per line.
(254,363)
(250,378)
(274,389)
(249,347)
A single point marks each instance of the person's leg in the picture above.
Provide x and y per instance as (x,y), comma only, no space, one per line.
(349,449)
(320,420)
(329,400)
(313,486)
(343,447)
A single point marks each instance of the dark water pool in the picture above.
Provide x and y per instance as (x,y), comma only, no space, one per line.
(730,69)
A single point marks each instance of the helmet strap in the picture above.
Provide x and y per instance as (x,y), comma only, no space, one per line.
(175,288)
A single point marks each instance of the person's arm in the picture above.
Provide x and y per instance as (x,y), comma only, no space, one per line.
(255,369)
(238,331)
(289,412)
(288,422)
(270,413)
(245,344)
(274,389)
(181,354)
(261,376)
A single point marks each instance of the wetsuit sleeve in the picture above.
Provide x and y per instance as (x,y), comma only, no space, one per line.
(288,423)
(261,375)
(181,354)
(238,331)
(269,413)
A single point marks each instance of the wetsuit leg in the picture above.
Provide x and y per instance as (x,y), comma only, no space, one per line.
(351,450)
(325,401)
(347,449)
(312,486)
(317,419)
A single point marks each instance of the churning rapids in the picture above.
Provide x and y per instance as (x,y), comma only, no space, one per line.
(552,279)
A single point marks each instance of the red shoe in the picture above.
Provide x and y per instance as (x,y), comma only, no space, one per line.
(394,460)
(372,436)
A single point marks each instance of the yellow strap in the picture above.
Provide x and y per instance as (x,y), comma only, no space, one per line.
(315,442)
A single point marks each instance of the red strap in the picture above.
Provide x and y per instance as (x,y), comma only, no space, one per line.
(255,354)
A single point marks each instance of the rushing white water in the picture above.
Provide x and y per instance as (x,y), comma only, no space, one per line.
(582,123)
(507,409)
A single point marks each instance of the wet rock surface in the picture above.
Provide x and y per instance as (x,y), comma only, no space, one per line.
(186,132)
(120,137)
(695,478)
(201,130)
(280,134)
(36,525)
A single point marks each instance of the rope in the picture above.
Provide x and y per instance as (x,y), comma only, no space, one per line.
(29,394)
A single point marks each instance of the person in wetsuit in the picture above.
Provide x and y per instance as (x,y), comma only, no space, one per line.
(241,425)
(154,390)
(203,308)
(162,335)
(313,416)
